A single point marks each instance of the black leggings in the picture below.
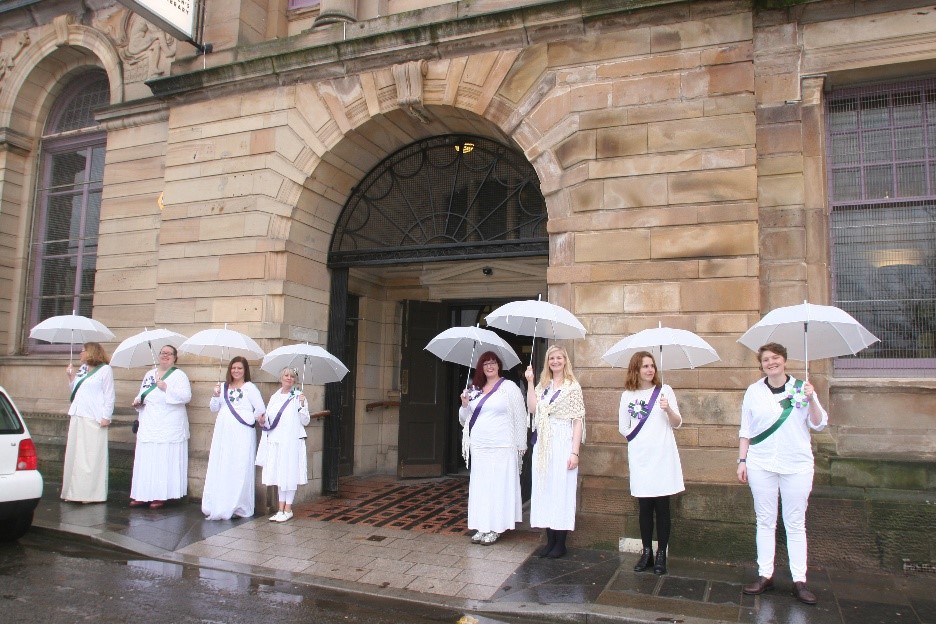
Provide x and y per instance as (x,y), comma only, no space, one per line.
(660,505)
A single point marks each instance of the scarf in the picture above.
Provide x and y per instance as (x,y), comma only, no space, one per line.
(566,404)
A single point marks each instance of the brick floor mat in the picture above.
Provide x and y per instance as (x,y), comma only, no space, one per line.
(427,505)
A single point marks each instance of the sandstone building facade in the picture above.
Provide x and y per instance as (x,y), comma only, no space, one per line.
(696,163)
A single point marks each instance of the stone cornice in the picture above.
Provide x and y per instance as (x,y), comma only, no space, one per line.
(395,39)
(132,114)
(15,141)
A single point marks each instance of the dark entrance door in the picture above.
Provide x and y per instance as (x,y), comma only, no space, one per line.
(423,426)
(349,387)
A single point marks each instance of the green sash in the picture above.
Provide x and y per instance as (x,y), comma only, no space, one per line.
(82,380)
(787,405)
(163,378)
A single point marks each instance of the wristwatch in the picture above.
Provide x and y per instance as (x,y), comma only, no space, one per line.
(742,460)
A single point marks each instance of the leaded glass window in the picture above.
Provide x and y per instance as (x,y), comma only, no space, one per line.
(64,249)
(882,184)
(443,198)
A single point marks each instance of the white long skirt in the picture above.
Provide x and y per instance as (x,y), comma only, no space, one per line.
(552,505)
(494,500)
(160,471)
(84,478)
(284,463)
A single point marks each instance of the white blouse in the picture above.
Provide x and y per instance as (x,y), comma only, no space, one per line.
(95,397)
(788,449)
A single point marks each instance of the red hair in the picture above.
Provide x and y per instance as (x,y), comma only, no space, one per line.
(479,378)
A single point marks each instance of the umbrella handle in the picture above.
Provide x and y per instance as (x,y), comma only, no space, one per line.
(474,345)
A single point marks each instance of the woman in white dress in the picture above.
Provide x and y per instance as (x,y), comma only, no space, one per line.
(282,451)
(84,479)
(646,417)
(160,462)
(775,457)
(229,480)
(493,443)
(558,427)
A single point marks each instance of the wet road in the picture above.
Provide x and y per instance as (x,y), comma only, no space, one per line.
(52,580)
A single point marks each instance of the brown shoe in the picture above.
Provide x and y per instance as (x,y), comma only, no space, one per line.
(759,586)
(157,504)
(803,594)
(136,503)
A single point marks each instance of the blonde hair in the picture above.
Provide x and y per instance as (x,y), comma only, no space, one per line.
(546,374)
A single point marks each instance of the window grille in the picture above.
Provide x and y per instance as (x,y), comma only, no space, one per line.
(882,184)
(443,198)
(64,249)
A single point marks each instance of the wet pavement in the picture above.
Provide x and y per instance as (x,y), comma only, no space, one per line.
(502,580)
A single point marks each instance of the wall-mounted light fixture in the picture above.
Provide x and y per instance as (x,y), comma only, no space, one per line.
(488,271)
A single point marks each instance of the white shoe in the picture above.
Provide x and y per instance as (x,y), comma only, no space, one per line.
(284,516)
(476,538)
(489,538)
(278,517)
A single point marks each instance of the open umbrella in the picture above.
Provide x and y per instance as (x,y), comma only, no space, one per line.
(671,348)
(71,328)
(810,330)
(459,345)
(536,318)
(321,366)
(140,349)
(222,343)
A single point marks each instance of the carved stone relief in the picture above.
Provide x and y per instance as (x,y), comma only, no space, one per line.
(8,58)
(146,51)
(409,84)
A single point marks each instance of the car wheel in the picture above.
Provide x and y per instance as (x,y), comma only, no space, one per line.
(14,528)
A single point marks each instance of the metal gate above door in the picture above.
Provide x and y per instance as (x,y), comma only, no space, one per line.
(443,198)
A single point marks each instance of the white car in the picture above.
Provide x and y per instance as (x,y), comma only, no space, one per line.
(20,481)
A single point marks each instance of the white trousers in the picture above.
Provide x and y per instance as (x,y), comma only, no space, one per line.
(794,491)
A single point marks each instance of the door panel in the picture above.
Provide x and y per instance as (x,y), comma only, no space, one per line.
(349,402)
(423,393)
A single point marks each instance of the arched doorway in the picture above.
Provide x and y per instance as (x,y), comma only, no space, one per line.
(449,211)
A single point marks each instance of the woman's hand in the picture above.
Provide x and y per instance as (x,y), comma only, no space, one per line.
(528,374)
(136,402)
(464,398)
(808,390)
(664,404)
(261,419)
(161,385)
(105,422)
(573,461)
(742,472)
(217,390)
(70,372)
(302,400)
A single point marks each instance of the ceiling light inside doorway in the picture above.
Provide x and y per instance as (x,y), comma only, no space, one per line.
(465,148)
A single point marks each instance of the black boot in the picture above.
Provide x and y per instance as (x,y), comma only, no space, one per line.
(660,566)
(550,542)
(559,548)
(646,560)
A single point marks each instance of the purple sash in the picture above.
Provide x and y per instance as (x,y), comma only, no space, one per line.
(646,414)
(535,433)
(232,410)
(278,415)
(477,409)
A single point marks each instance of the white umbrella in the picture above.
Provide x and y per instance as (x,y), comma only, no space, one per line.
(321,365)
(222,343)
(536,318)
(140,349)
(671,348)
(71,328)
(460,344)
(810,330)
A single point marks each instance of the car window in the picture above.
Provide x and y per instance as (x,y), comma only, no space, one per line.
(9,420)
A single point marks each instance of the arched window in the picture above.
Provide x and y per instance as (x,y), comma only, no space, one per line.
(71,171)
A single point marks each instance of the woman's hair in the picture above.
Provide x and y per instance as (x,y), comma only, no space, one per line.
(632,382)
(546,374)
(294,372)
(242,360)
(175,352)
(773,347)
(96,354)
(479,378)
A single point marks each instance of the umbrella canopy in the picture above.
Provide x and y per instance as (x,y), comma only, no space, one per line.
(319,364)
(222,343)
(463,345)
(536,318)
(140,349)
(71,328)
(810,331)
(671,348)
